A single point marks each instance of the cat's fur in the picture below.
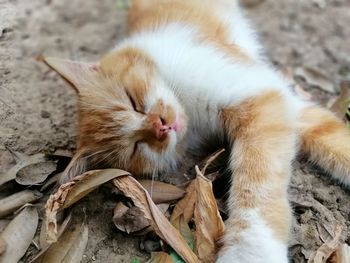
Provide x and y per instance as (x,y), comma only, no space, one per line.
(190,70)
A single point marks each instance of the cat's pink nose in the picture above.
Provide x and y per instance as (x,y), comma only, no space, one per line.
(161,129)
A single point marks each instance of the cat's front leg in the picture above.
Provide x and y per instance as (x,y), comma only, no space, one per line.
(264,146)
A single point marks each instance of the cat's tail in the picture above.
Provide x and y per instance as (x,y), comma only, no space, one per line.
(326,140)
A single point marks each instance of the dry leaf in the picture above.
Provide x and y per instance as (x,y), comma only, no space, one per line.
(71,192)
(35,173)
(162,192)
(69,248)
(327,249)
(315,78)
(341,255)
(13,202)
(2,245)
(209,225)
(131,188)
(180,224)
(160,257)
(44,245)
(22,160)
(185,207)
(19,234)
(129,220)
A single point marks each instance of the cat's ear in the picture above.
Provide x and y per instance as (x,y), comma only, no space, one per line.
(76,73)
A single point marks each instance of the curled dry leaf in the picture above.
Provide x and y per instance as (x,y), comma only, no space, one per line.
(131,188)
(209,225)
(129,220)
(22,160)
(341,255)
(35,173)
(13,202)
(327,249)
(19,234)
(44,245)
(69,248)
(132,219)
(180,224)
(71,192)
(185,207)
(162,192)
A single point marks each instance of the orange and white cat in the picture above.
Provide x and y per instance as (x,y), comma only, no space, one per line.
(190,70)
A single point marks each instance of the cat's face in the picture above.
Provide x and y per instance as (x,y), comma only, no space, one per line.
(129,118)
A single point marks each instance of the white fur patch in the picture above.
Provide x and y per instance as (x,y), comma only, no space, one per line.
(256,245)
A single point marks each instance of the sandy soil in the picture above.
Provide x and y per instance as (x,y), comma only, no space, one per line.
(38,110)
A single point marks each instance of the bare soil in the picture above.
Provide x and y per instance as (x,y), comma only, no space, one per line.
(38,110)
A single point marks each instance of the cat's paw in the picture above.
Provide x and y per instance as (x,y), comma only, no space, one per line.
(240,254)
(253,243)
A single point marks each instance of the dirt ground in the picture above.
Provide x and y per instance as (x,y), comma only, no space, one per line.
(38,110)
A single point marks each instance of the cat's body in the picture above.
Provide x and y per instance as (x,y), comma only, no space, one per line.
(191,70)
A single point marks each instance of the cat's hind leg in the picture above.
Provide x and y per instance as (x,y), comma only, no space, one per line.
(326,141)
(263,129)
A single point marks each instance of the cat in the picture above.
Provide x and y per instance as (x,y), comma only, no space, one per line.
(190,70)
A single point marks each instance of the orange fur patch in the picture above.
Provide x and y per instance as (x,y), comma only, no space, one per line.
(263,149)
(153,14)
(133,70)
(326,140)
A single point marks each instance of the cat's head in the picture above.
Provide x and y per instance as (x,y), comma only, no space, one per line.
(128,116)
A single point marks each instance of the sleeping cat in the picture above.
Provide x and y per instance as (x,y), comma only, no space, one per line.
(188,71)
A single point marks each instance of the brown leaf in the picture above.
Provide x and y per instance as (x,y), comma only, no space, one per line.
(22,160)
(341,255)
(129,220)
(327,249)
(69,248)
(162,192)
(44,245)
(209,225)
(131,188)
(35,173)
(180,224)
(185,207)
(19,234)
(160,257)
(71,192)
(13,202)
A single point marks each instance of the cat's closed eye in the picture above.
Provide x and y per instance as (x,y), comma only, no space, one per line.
(133,104)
